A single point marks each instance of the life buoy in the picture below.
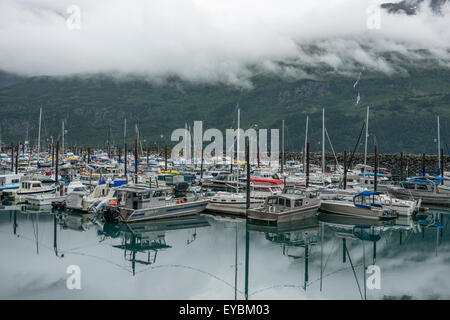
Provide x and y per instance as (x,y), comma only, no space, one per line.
(272,209)
(180,201)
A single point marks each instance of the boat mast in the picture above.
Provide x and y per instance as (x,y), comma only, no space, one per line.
(39,134)
(367,136)
(306,141)
(125,153)
(323,145)
(282,148)
(439,143)
(62,146)
(238,135)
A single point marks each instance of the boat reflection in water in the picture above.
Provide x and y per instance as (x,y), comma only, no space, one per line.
(141,241)
(295,238)
(328,256)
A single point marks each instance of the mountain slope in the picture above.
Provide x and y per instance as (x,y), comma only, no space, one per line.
(403,108)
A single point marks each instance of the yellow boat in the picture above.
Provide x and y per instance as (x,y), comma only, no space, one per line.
(170,171)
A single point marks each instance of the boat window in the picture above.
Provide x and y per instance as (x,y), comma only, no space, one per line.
(422,187)
(298,202)
(272,201)
(408,186)
(146,196)
(281,201)
(15,180)
(288,203)
(157,194)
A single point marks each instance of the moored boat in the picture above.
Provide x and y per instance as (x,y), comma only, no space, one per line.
(293,204)
(365,204)
(138,203)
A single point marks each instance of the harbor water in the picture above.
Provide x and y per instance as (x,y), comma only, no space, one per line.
(222,257)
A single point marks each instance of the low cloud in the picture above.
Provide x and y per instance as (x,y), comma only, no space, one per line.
(217,40)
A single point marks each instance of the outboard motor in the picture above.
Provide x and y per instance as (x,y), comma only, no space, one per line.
(111,214)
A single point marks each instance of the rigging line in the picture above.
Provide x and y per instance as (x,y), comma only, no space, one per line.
(297,286)
(331,273)
(193,269)
(357,144)
(354,273)
(98,258)
(275,287)
(332,149)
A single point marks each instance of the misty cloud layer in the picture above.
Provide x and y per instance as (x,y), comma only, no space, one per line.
(219,40)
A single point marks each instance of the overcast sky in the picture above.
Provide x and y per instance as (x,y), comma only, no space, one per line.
(211,40)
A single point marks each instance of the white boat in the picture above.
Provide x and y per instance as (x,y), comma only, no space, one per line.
(402,206)
(365,204)
(82,201)
(231,203)
(60,194)
(425,190)
(28,187)
(9,180)
(138,203)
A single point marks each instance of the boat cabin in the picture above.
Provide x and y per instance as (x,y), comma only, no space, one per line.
(290,200)
(418,185)
(367,200)
(9,180)
(141,197)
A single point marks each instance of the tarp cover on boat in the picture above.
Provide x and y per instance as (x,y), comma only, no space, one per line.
(369,193)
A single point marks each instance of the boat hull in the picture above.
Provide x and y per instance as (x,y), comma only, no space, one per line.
(259,214)
(238,208)
(162,212)
(349,209)
(427,197)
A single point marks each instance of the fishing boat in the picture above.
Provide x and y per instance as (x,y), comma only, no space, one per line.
(140,202)
(293,204)
(424,189)
(366,204)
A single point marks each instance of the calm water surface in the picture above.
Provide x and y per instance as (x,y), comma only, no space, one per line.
(211,257)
